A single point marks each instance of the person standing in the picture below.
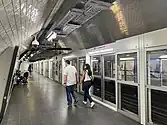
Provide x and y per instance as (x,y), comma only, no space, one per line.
(70,81)
(86,80)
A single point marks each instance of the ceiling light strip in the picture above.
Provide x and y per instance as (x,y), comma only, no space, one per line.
(101,51)
(8,19)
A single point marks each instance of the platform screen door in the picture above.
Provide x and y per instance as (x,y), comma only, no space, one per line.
(109,79)
(96,64)
(127,77)
(157,86)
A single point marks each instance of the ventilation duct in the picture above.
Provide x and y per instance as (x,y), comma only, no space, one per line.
(69,28)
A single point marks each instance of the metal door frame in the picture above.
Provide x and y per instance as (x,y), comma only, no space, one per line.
(99,76)
(114,79)
(102,76)
(119,82)
(148,85)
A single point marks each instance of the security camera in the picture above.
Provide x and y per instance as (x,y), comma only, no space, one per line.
(35,44)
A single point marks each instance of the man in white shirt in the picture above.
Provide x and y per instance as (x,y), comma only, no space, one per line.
(70,81)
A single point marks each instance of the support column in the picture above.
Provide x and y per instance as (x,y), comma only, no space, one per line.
(142,79)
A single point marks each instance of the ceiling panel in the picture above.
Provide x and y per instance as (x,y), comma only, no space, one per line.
(20,19)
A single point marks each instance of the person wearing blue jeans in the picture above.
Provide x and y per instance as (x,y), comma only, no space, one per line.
(87,78)
(70,81)
(87,86)
(70,92)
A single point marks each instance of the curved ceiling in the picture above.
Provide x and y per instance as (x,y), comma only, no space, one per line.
(20,19)
(79,23)
(124,18)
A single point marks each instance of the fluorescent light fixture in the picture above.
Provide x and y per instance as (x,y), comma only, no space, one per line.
(62,36)
(53,36)
(163,57)
(81,59)
(70,56)
(125,59)
(95,60)
(49,35)
(101,51)
(31,55)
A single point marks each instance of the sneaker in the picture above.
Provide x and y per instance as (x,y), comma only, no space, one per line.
(92,104)
(69,105)
(76,102)
(84,102)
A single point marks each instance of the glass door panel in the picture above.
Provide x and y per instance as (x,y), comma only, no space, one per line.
(129,98)
(109,81)
(96,66)
(110,91)
(157,86)
(127,67)
(159,107)
(164,72)
(127,76)
(109,66)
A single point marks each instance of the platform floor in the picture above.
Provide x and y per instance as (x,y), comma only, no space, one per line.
(43,102)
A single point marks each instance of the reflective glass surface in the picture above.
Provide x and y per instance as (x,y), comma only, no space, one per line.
(129,98)
(127,67)
(157,67)
(97,87)
(109,66)
(110,91)
(96,65)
